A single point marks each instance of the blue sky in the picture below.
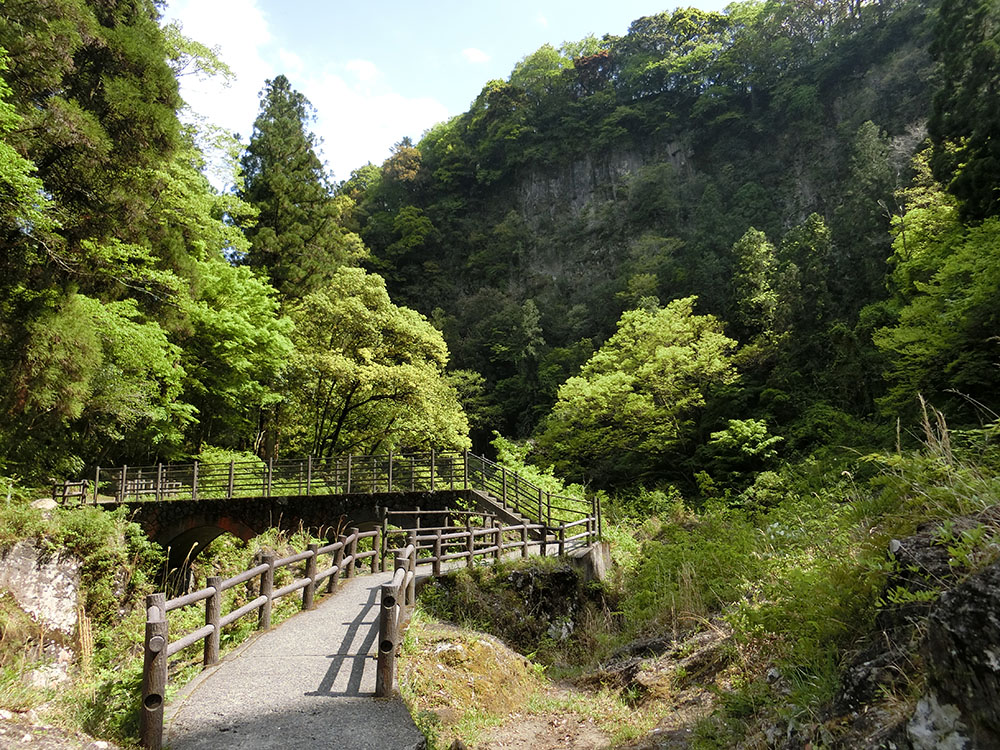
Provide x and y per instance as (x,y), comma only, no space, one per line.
(380,70)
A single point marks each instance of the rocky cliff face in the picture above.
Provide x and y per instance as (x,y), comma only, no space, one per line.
(928,677)
(962,653)
(571,189)
(46,586)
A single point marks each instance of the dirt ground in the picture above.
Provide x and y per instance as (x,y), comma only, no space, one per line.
(545,732)
(18,732)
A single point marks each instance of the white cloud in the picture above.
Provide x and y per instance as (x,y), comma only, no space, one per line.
(365,70)
(238,29)
(475,56)
(291,64)
(359,116)
(359,125)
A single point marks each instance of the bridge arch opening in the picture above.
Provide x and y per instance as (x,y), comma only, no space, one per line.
(187,545)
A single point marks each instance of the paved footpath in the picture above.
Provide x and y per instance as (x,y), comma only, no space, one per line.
(308,683)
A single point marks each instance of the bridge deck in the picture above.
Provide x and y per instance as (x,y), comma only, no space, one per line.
(307,683)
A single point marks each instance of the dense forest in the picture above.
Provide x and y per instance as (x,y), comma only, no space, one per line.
(683,251)
(737,271)
(787,168)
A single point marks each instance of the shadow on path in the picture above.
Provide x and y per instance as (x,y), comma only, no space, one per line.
(355,649)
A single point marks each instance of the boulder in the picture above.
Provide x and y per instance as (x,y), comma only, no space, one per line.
(962,653)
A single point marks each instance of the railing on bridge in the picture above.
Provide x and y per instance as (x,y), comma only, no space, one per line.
(392,472)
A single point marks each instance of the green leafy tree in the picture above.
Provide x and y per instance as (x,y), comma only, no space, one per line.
(635,402)
(99,103)
(367,376)
(97,380)
(298,239)
(235,355)
(756,302)
(947,280)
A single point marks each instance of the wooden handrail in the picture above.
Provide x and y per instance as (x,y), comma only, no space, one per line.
(396,596)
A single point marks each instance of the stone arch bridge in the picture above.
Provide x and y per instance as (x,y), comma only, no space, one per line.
(184,507)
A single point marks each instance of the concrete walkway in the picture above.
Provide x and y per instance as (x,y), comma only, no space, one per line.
(308,683)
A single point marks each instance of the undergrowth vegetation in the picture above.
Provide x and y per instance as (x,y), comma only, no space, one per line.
(796,564)
(118,567)
(793,569)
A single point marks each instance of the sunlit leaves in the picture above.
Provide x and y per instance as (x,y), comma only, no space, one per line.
(635,399)
(367,375)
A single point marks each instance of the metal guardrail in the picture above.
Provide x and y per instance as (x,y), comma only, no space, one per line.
(391,472)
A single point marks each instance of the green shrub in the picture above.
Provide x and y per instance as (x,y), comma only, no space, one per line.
(692,569)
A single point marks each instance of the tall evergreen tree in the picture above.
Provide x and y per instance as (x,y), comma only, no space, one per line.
(298,238)
(99,103)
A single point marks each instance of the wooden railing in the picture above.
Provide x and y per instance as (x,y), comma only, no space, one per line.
(62,492)
(435,546)
(397,597)
(344,557)
(438,546)
(392,472)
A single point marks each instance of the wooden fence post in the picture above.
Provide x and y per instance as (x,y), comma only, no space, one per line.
(123,487)
(338,563)
(411,587)
(377,551)
(158,489)
(600,523)
(389,488)
(562,540)
(309,475)
(232,472)
(432,469)
(266,590)
(465,469)
(348,475)
(309,592)
(154,673)
(213,613)
(437,554)
(524,539)
(353,551)
(384,540)
(498,536)
(194,481)
(388,634)
(470,543)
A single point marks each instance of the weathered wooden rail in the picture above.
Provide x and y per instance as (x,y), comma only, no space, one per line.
(554,523)
(344,557)
(432,547)
(391,472)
